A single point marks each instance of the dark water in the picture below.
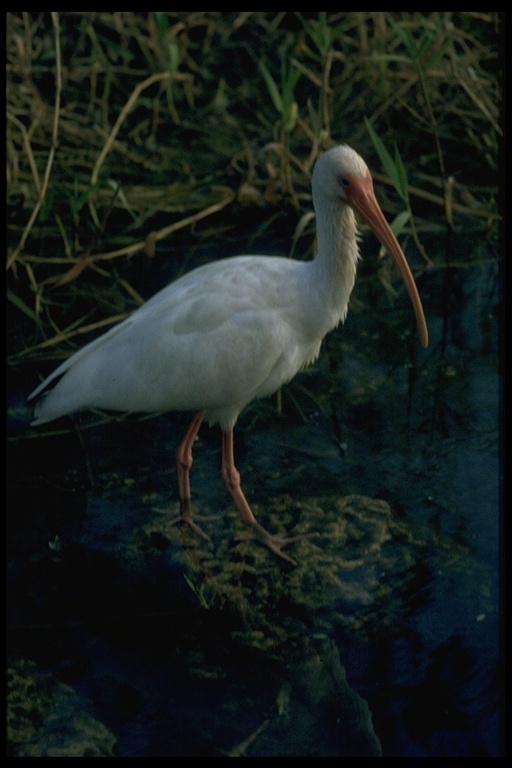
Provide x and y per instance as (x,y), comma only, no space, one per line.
(386,637)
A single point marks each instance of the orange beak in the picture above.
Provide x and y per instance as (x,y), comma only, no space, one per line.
(362,199)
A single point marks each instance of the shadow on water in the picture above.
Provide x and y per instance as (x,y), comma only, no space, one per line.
(130,637)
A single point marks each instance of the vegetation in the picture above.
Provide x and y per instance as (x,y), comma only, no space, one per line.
(141,144)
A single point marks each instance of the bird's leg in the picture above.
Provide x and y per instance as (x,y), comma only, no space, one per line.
(231,477)
(184,461)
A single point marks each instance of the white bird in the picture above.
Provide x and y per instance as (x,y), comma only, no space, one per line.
(232,331)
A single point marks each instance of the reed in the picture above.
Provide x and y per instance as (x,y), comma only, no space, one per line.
(134,138)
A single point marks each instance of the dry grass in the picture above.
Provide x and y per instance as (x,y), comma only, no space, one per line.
(126,128)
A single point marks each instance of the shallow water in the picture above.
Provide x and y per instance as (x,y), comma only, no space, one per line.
(146,641)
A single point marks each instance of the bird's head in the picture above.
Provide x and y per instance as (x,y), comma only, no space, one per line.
(339,175)
(342,178)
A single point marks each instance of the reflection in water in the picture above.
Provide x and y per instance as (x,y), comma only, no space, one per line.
(323,715)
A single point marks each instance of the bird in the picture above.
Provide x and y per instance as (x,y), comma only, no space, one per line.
(231,331)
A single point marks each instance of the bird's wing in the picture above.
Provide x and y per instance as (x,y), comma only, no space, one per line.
(221,335)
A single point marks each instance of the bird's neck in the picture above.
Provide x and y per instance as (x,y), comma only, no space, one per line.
(334,269)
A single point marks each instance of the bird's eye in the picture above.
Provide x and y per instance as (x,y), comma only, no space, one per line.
(342,181)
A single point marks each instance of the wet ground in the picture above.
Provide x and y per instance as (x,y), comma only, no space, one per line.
(131,637)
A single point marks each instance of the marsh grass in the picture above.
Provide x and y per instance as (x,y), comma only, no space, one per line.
(143,139)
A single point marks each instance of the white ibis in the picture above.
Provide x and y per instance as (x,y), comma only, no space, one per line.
(232,331)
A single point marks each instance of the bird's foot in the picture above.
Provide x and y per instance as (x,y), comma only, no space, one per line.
(187,518)
(275,541)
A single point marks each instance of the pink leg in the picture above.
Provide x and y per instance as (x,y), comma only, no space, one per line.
(184,461)
(231,477)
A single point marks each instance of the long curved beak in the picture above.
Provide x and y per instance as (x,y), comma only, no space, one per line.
(362,199)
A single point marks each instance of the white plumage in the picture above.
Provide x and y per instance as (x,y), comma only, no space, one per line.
(231,331)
